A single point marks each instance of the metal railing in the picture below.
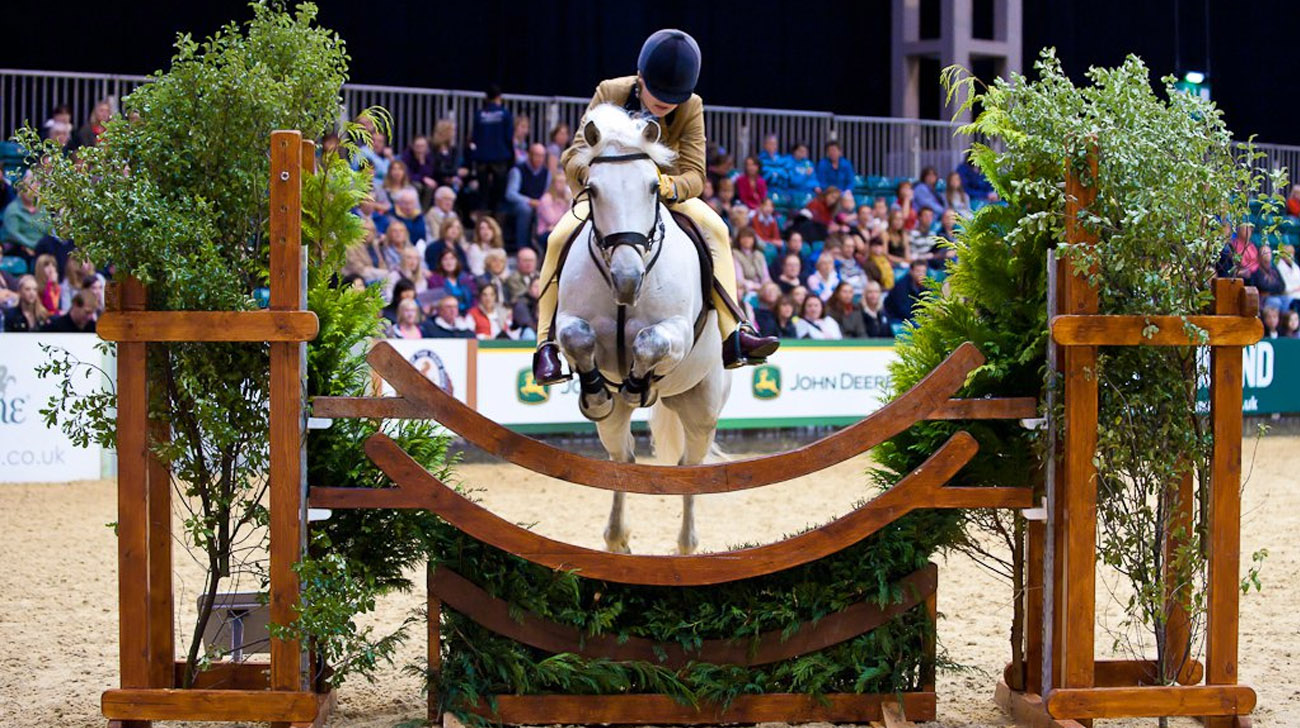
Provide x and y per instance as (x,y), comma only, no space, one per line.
(877,146)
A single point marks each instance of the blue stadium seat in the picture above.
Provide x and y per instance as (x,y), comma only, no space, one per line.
(13,265)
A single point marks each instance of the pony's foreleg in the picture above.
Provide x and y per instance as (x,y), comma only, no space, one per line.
(615,433)
(656,348)
(578,342)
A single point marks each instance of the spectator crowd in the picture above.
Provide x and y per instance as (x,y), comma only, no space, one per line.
(455,227)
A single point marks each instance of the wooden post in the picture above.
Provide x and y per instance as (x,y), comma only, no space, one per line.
(286,393)
(132,499)
(1178,627)
(433,648)
(1079,489)
(162,647)
(1035,542)
(1224,517)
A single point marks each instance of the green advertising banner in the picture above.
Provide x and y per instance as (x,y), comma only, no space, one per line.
(1271,377)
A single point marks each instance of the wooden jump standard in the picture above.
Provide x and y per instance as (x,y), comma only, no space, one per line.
(1060,630)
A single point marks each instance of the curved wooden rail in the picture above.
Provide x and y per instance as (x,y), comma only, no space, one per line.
(922,488)
(930,394)
(495,614)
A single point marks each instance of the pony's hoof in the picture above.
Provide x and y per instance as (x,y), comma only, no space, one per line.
(618,545)
(596,407)
(687,547)
(639,399)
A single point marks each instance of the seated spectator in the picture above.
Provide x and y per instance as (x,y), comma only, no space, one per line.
(875,319)
(90,132)
(80,318)
(945,235)
(905,204)
(925,196)
(558,141)
(821,211)
(1267,279)
(877,265)
(1244,253)
(25,223)
(775,165)
(1289,269)
(329,146)
(411,268)
(824,279)
(397,239)
(519,142)
(846,212)
(406,210)
(449,169)
(737,217)
(765,224)
(494,273)
(898,241)
(812,324)
(453,281)
(521,280)
(451,236)
(491,318)
(557,201)
(783,318)
(751,188)
(61,114)
(29,314)
(396,180)
(62,134)
(47,282)
(955,197)
(834,170)
(60,249)
(803,173)
(8,295)
(442,209)
(377,153)
(765,311)
(720,164)
(751,264)
(447,323)
(408,324)
(791,276)
(403,290)
(842,310)
(975,183)
(369,209)
(487,235)
(797,296)
(847,268)
(77,274)
(1292,324)
(794,245)
(525,185)
(1272,318)
(726,189)
(865,223)
(902,300)
(1293,201)
(921,239)
(523,315)
(365,258)
(94,288)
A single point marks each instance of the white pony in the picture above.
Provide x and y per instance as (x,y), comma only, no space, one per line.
(632,317)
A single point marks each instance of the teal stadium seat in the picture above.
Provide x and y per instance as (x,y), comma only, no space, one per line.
(13,265)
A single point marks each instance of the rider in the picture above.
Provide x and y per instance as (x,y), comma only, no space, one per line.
(662,89)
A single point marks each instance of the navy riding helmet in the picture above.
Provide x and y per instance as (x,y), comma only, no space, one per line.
(670,65)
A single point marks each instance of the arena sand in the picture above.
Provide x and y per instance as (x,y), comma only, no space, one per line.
(58,588)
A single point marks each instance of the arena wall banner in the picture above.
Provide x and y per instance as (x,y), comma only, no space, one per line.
(30,452)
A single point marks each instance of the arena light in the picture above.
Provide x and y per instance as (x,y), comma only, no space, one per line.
(1195,77)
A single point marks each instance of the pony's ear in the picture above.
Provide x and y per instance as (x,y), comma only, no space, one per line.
(651,131)
(590,134)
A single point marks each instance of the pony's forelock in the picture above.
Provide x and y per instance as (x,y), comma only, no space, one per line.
(622,134)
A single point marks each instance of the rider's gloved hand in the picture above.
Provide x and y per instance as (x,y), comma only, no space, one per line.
(667,188)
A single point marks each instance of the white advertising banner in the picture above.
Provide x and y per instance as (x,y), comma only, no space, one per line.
(444,361)
(805,383)
(30,452)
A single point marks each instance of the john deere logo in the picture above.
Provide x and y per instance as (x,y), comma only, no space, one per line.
(528,390)
(767,382)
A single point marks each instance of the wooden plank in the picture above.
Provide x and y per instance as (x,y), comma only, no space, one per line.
(419,488)
(1223,534)
(1027,709)
(133,500)
(1178,598)
(209,705)
(663,709)
(247,326)
(534,455)
(433,646)
(228,676)
(1151,701)
(162,647)
(286,393)
(1228,330)
(1132,673)
(497,615)
(992,408)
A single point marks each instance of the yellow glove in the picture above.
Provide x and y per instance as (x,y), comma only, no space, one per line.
(667,188)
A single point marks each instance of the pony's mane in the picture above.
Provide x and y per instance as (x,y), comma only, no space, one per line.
(621,134)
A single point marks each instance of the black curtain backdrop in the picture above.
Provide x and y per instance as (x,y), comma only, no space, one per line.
(761,53)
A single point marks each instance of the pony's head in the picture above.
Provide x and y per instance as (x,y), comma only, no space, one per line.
(622,158)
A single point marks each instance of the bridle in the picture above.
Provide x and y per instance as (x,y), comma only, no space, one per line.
(643,243)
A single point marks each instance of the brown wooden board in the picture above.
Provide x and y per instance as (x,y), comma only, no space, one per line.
(1151,701)
(497,615)
(228,675)
(913,406)
(162,647)
(920,489)
(247,326)
(1027,709)
(662,709)
(209,705)
(1094,330)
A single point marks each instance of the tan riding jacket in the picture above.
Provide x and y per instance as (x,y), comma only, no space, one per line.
(683,133)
